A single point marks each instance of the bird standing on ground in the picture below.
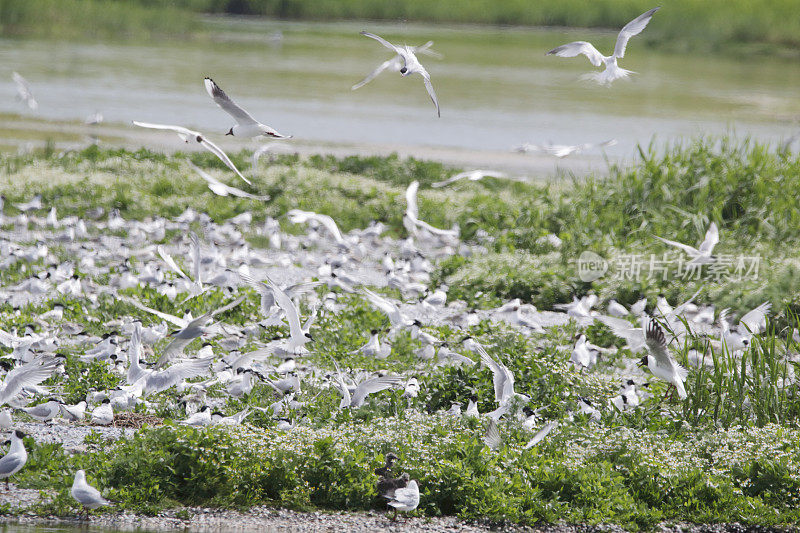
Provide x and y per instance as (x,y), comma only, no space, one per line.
(86,495)
(15,459)
(612,71)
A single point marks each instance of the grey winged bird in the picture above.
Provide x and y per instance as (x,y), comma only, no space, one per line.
(246,125)
(612,71)
(15,459)
(395,63)
(660,362)
(86,495)
(411,65)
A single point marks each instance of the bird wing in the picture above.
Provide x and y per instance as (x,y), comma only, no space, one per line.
(26,375)
(425,49)
(224,101)
(407,496)
(214,184)
(372,75)
(711,240)
(88,495)
(160,381)
(685,247)
(384,305)
(498,371)
(577,48)
(180,322)
(492,437)
(171,262)
(330,225)
(541,434)
(396,49)
(755,320)
(11,462)
(428,85)
(195,253)
(370,386)
(184,133)
(217,151)
(292,314)
(657,344)
(411,200)
(301,289)
(450,180)
(630,29)
(342,387)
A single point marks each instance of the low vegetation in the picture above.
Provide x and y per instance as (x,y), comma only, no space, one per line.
(726,454)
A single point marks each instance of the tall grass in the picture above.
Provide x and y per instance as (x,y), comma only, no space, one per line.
(94,19)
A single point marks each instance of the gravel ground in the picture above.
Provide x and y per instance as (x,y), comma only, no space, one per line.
(270,520)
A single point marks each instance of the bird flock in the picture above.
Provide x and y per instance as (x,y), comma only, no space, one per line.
(233,359)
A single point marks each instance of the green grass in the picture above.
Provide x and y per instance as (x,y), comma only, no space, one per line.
(726,454)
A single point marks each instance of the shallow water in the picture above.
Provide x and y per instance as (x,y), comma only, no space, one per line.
(496,87)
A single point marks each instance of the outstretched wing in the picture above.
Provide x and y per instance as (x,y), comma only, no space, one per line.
(630,29)
(576,48)
(228,105)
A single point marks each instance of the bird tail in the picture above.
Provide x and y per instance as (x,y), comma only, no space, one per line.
(681,390)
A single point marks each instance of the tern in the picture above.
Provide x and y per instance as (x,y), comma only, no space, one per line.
(702,254)
(752,323)
(191,135)
(405,498)
(86,495)
(221,189)
(246,125)
(471,175)
(411,65)
(24,93)
(396,63)
(15,459)
(612,71)
(562,150)
(660,362)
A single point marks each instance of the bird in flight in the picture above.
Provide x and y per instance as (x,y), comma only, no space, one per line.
(612,71)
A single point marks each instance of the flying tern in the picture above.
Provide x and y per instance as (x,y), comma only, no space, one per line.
(195,136)
(246,125)
(411,65)
(612,71)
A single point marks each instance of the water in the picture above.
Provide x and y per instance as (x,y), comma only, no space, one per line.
(496,87)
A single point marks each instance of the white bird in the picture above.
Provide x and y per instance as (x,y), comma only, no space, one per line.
(503,379)
(752,323)
(103,414)
(405,498)
(221,189)
(472,407)
(660,362)
(616,309)
(266,148)
(195,136)
(300,217)
(199,419)
(246,125)
(411,388)
(24,93)
(298,337)
(44,412)
(471,175)
(363,389)
(15,459)
(562,150)
(396,317)
(27,375)
(374,348)
(86,495)
(411,65)
(74,413)
(612,71)
(702,254)
(583,356)
(396,63)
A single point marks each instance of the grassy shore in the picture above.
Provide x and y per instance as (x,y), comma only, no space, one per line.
(680,25)
(726,454)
